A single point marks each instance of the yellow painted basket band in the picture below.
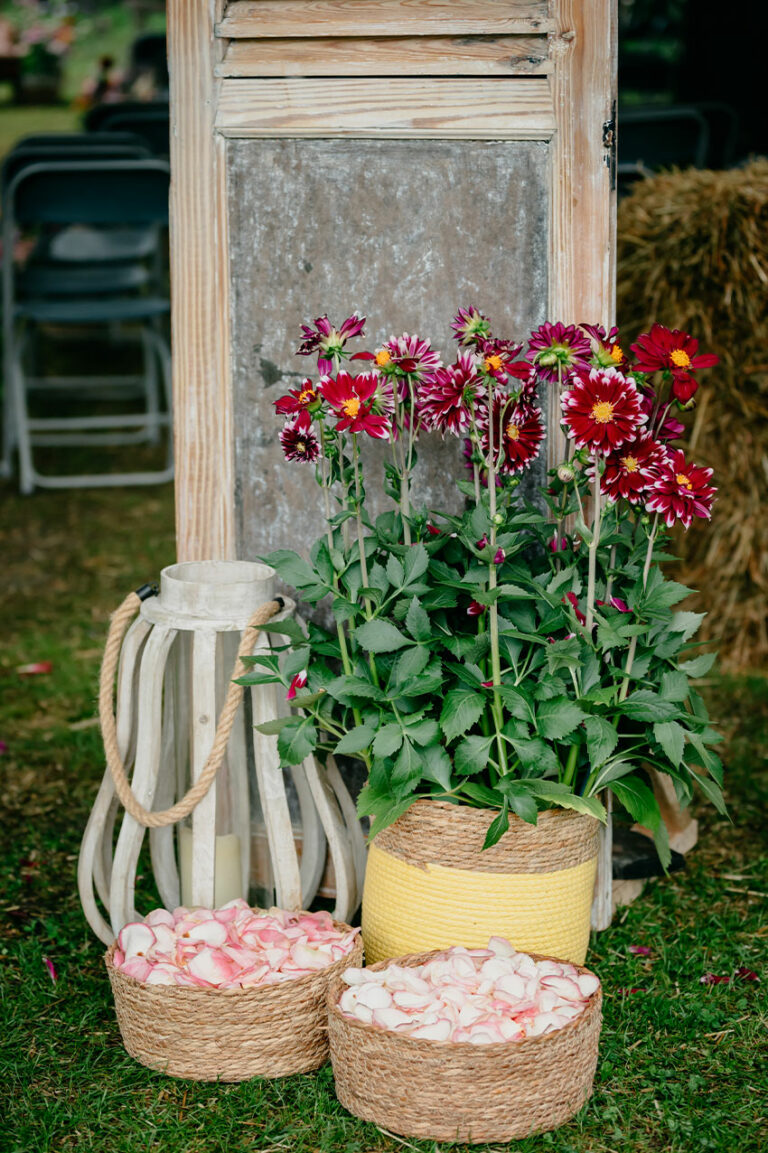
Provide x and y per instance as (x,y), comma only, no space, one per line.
(407,909)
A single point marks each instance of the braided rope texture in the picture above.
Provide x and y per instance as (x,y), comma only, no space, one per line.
(228,1034)
(430,884)
(117,628)
(460,1092)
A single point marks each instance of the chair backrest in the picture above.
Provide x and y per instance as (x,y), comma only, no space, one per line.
(154,127)
(24,157)
(78,139)
(88,192)
(99,117)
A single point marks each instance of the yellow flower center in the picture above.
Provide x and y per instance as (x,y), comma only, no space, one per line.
(602,412)
(301,446)
(383,357)
(493,363)
(684,481)
(513,432)
(630,463)
(351,407)
(306,396)
(617,353)
(680,358)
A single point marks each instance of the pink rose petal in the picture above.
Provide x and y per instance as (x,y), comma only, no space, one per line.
(138,967)
(439,1031)
(211,965)
(136,939)
(159,917)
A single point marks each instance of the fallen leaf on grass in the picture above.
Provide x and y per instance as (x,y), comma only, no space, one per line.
(35,669)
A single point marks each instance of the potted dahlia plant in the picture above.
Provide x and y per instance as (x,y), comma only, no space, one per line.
(496,671)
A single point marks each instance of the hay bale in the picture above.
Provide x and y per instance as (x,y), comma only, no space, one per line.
(693,254)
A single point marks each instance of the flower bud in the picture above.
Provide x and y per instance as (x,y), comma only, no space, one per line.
(566,472)
(498,518)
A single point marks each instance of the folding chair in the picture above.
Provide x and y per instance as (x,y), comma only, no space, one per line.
(152,124)
(119,193)
(79,245)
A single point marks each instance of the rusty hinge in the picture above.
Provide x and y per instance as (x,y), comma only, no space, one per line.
(609,144)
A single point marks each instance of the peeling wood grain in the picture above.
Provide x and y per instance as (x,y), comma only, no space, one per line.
(389,56)
(518,108)
(268,18)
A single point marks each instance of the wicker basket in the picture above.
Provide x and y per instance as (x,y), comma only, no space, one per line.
(227,1034)
(430,883)
(462,1092)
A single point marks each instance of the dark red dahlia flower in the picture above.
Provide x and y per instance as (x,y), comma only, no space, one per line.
(606,350)
(470,326)
(673,350)
(446,396)
(631,469)
(684,387)
(298,441)
(327,341)
(408,356)
(499,359)
(518,429)
(573,600)
(297,399)
(602,410)
(557,349)
(681,491)
(353,399)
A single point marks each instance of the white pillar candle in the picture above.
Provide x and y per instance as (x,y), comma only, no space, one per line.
(227,880)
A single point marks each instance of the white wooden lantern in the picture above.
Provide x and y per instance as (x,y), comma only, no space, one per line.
(175,667)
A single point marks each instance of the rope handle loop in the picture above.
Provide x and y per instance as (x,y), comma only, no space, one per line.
(117,630)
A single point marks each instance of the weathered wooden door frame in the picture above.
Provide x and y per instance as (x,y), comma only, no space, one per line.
(564,94)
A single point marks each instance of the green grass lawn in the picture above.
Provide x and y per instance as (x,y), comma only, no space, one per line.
(682,1065)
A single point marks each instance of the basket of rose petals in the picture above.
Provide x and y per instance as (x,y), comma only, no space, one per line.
(231,993)
(465,1044)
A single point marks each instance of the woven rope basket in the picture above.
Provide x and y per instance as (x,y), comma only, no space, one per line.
(228,1034)
(462,1092)
(430,883)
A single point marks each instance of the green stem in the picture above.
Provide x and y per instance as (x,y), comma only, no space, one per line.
(493,613)
(592,571)
(570,767)
(343,648)
(359,520)
(633,643)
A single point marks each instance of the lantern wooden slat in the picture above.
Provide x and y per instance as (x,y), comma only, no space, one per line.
(297,18)
(145,774)
(401,109)
(203,729)
(162,841)
(277,816)
(388,56)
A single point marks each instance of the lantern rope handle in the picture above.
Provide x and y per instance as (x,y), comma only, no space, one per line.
(117,629)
